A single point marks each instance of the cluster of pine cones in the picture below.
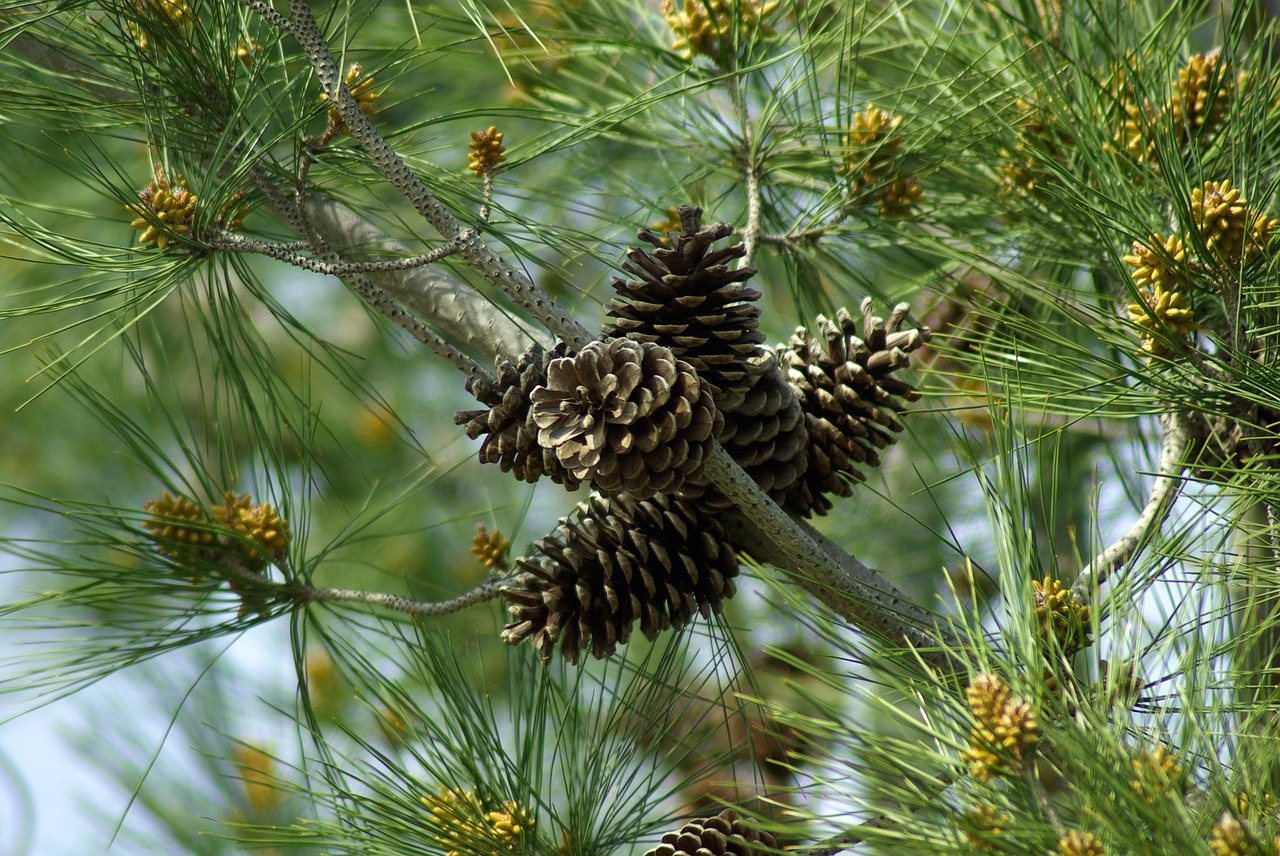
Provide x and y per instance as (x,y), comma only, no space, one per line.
(682,365)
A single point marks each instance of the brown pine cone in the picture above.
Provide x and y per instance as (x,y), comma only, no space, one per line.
(851,402)
(510,434)
(725,833)
(689,300)
(766,434)
(626,416)
(615,561)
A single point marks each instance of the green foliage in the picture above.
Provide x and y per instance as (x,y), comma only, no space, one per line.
(1034,180)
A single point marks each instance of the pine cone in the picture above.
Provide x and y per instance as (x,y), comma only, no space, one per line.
(766,433)
(487,151)
(850,400)
(687,299)
(1229,837)
(722,834)
(1160,265)
(615,561)
(871,148)
(1158,313)
(164,209)
(626,416)
(466,824)
(1004,726)
(1060,615)
(258,527)
(510,434)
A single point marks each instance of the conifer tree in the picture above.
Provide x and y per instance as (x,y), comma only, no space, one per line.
(612,426)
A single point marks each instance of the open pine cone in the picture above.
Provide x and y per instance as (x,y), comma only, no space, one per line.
(725,833)
(689,300)
(616,561)
(626,416)
(851,401)
(510,434)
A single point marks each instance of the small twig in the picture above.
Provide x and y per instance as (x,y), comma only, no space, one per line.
(416,608)
(1042,797)
(751,166)
(308,158)
(1168,482)
(1273,531)
(311,145)
(237,571)
(850,838)
(303,593)
(269,14)
(229,242)
(431,293)
(796,238)
(752,236)
(855,835)
(486,195)
(283,246)
(791,240)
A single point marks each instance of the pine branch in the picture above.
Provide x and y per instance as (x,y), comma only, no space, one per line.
(229,242)
(840,581)
(269,14)
(1174,443)
(372,294)
(850,588)
(751,167)
(844,584)
(796,240)
(432,294)
(514,283)
(415,608)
